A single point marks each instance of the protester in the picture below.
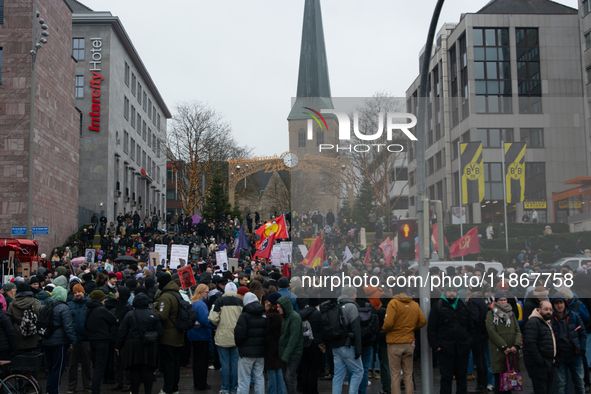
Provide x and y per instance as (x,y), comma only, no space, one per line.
(276,383)
(312,355)
(80,353)
(539,348)
(24,300)
(478,312)
(7,336)
(291,342)
(200,337)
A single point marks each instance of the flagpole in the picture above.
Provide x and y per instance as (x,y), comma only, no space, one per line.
(505,197)
(461,194)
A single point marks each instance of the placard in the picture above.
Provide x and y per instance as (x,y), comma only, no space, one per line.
(89,256)
(286,246)
(162,251)
(221,258)
(108,267)
(457,216)
(186,277)
(303,250)
(178,253)
(154,259)
(276,256)
(26,269)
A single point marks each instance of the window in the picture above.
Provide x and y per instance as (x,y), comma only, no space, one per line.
(150,108)
(158,123)
(439,190)
(79,86)
(132,150)
(528,71)
(492,70)
(158,148)
(0,65)
(302,139)
(154,140)
(493,181)
(412,179)
(586,7)
(139,123)
(169,172)
(149,137)
(78,48)
(464,77)
(429,138)
(145,101)
(139,93)
(466,136)
(453,86)
(126,107)
(535,181)
(133,114)
(587,40)
(126,75)
(454,148)
(400,203)
(125,141)
(170,194)
(138,157)
(143,159)
(401,174)
(431,192)
(534,138)
(319,138)
(430,166)
(154,116)
(133,83)
(491,138)
(144,130)
(438,161)
(1,12)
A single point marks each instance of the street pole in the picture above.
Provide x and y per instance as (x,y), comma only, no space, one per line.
(38,39)
(440,230)
(505,197)
(424,291)
(461,194)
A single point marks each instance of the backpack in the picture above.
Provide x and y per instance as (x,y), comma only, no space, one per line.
(45,327)
(28,324)
(369,324)
(307,332)
(332,322)
(186,317)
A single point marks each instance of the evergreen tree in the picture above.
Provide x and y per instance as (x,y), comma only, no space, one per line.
(217,204)
(364,203)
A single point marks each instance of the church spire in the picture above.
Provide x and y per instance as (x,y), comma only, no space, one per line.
(313,81)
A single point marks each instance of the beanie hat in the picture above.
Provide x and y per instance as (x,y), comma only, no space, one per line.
(112,275)
(348,291)
(119,276)
(500,294)
(283,282)
(540,291)
(33,279)
(22,287)
(126,272)
(163,280)
(273,297)
(249,298)
(87,277)
(503,285)
(242,290)
(78,287)
(98,295)
(131,283)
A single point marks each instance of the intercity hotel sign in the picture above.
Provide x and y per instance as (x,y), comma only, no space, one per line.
(95,84)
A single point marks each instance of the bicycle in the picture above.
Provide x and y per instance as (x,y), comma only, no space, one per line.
(16,376)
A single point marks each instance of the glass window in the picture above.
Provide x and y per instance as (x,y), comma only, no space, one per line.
(126,107)
(302,139)
(144,130)
(132,150)
(1,11)
(535,181)
(493,181)
(491,138)
(528,70)
(78,48)
(79,86)
(133,114)
(139,92)
(534,138)
(145,101)
(125,141)
(319,138)
(149,109)
(139,123)
(586,7)
(126,75)
(133,83)
(492,70)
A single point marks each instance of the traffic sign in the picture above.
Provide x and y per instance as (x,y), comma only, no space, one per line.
(40,230)
(19,231)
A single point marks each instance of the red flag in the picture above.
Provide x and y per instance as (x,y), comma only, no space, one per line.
(318,259)
(276,226)
(313,251)
(285,271)
(388,248)
(367,259)
(468,244)
(266,246)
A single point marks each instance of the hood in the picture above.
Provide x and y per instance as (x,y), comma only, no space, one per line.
(249,298)
(373,292)
(402,297)
(141,301)
(254,308)
(302,301)
(559,296)
(149,282)
(24,302)
(61,281)
(92,304)
(42,295)
(61,270)
(59,294)
(171,286)
(124,293)
(230,287)
(285,303)
(306,312)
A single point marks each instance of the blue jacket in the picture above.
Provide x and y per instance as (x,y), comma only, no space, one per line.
(78,311)
(64,328)
(569,331)
(204,332)
(286,292)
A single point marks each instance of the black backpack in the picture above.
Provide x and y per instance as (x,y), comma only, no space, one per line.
(332,322)
(186,317)
(45,326)
(369,324)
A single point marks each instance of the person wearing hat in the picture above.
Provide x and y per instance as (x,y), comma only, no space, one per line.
(283,284)
(504,337)
(242,290)
(276,383)
(56,346)
(9,292)
(34,283)
(533,301)
(24,300)
(80,354)
(98,327)
(450,330)
(571,340)
(539,348)
(478,309)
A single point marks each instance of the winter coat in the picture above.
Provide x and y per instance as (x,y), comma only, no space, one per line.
(286,292)
(272,360)
(43,296)
(570,334)
(78,311)
(352,323)
(225,313)
(251,331)
(539,345)
(312,315)
(16,309)
(140,320)
(500,337)
(98,321)
(167,309)
(7,334)
(89,286)
(202,333)
(530,304)
(577,306)
(478,311)
(291,342)
(373,294)
(403,318)
(64,333)
(449,328)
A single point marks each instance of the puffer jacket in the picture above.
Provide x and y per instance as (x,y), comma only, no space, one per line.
(225,313)
(312,315)
(272,360)
(539,345)
(167,309)
(62,320)
(502,336)
(202,333)
(403,318)
(7,339)
(450,328)
(252,331)
(291,342)
(569,331)
(43,296)
(24,301)
(78,311)
(99,321)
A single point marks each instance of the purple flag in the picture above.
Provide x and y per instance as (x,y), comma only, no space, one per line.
(241,244)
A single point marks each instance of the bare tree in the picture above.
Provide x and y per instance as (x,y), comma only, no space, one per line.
(200,142)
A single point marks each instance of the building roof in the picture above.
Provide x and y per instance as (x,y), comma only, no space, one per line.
(525,7)
(77,6)
(313,81)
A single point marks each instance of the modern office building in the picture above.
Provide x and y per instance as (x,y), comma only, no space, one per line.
(509,72)
(122,121)
(56,142)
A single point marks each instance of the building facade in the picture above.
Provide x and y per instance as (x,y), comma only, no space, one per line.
(122,121)
(56,148)
(510,72)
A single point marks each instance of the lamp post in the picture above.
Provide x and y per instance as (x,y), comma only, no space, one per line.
(38,39)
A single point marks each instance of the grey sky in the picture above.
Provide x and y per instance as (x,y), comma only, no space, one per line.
(242,57)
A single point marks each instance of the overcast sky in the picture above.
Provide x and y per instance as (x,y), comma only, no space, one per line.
(242,57)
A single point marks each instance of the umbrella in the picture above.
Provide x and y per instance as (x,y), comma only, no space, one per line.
(125,259)
(77,261)
(196,219)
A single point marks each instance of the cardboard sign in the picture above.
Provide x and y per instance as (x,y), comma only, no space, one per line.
(154,259)
(187,278)
(89,256)
(108,267)
(178,253)
(162,250)
(221,258)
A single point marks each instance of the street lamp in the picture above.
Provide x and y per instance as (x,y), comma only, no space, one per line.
(39,37)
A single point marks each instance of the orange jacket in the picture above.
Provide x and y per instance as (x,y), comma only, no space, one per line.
(373,294)
(403,317)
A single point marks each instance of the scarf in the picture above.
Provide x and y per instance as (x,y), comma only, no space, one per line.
(502,313)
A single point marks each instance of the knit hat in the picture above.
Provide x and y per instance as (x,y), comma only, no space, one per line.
(348,291)
(22,287)
(249,298)
(119,275)
(273,297)
(98,295)
(500,294)
(503,285)
(112,275)
(87,277)
(283,282)
(126,272)
(33,279)
(131,283)
(540,291)
(242,290)
(78,287)
(163,280)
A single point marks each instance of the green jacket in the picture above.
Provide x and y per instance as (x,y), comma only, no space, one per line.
(167,310)
(291,341)
(501,336)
